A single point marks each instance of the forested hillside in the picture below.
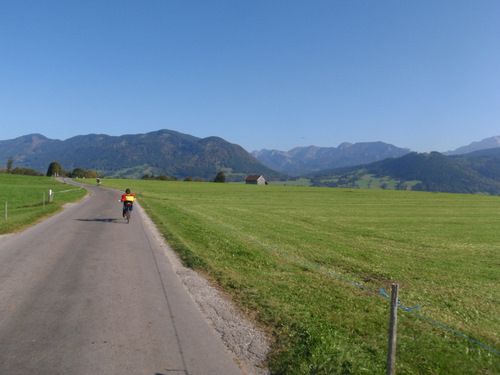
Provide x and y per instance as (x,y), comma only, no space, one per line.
(475,173)
(163,152)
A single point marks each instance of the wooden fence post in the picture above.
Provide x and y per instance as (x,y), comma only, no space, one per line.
(393,329)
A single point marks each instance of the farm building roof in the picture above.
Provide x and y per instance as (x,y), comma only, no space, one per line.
(253,177)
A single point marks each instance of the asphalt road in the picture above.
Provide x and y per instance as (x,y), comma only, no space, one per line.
(85,293)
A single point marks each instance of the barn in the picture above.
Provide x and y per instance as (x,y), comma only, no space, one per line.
(256,179)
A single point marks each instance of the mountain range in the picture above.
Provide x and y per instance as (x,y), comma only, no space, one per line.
(305,160)
(474,173)
(132,156)
(486,143)
(167,152)
(301,161)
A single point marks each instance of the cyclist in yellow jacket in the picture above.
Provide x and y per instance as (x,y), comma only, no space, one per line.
(128,200)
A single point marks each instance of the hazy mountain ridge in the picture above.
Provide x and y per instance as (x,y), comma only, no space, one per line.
(161,152)
(491,142)
(306,160)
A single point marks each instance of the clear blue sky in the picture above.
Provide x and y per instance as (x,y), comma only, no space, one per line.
(272,74)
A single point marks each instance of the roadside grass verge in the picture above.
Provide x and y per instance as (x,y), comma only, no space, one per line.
(25,200)
(272,249)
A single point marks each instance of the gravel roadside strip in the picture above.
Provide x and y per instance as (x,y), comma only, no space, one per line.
(249,345)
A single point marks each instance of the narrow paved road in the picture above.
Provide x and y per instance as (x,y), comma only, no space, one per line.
(85,293)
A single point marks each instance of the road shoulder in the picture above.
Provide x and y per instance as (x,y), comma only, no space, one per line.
(248,344)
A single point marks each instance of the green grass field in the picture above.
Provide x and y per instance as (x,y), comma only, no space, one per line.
(288,256)
(302,182)
(25,200)
(272,248)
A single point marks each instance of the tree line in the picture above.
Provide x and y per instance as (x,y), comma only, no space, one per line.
(19,170)
(54,170)
(220,177)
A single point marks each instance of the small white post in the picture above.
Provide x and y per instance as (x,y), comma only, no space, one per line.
(393,330)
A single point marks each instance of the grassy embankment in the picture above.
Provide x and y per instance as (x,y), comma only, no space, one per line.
(442,249)
(24,196)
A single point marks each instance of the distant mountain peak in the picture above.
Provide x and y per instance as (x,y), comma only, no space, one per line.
(306,160)
(344,145)
(491,142)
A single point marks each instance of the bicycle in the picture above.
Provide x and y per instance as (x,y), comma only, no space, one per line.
(128,211)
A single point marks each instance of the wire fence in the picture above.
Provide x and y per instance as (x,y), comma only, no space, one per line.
(51,194)
(380,293)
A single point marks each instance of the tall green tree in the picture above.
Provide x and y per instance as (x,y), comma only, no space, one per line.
(78,172)
(91,174)
(9,164)
(55,169)
(221,177)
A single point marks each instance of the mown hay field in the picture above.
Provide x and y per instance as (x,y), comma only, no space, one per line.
(26,199)
(308,264)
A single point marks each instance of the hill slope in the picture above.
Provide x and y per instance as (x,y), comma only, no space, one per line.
(161,152)
(474,173)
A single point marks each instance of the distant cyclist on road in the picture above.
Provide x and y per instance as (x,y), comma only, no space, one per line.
(128,200)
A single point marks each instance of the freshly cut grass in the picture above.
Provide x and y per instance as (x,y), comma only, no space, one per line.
(25,200)
(283,253)
(302,182)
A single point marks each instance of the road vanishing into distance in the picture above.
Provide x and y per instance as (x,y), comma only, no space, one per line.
(85,293)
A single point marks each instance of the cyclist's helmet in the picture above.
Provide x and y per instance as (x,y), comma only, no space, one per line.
(127,191)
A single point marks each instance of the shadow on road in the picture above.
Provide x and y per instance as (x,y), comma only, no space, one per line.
(110,220)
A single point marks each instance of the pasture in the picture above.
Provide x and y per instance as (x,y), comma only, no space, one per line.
(307,264)
(25,200)
(290,258)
